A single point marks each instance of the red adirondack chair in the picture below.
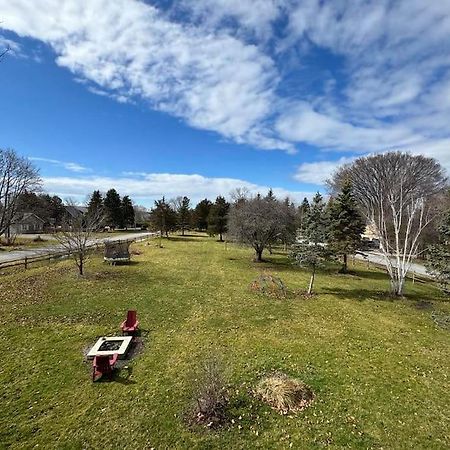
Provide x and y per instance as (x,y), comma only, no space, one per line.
(103,365)
(131,324)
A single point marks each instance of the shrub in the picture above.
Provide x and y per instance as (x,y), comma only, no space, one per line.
(284,394)
(210,400)
(269,285)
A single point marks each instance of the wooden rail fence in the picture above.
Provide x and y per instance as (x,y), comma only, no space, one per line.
(50,256)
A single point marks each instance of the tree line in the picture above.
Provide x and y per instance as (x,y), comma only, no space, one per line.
(404,198)
(118,212)
(178,215)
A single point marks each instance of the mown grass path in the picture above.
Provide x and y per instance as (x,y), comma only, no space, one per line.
(379,368)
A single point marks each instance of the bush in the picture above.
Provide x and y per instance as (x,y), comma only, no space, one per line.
(284,394)
(269,285)
(210,400)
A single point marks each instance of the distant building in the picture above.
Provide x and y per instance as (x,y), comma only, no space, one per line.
(26,223)
(74,212)
(370,236)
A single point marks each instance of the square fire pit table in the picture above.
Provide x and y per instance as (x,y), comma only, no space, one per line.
(110,345)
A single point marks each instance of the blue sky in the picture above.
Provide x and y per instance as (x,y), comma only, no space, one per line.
(200,97)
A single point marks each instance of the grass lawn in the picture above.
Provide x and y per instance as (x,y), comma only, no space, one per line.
(27,243)
(380,368)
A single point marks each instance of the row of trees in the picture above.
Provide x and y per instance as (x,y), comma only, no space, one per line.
(398,194)
(177,214)
(49,208)
(117,212)
(316,231)
(329,231)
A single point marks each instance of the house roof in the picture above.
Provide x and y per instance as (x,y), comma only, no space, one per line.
(27,217)
(75,211)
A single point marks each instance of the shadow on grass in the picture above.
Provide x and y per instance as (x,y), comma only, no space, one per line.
(122,376)
(415,299)
(359,294)
(186,238)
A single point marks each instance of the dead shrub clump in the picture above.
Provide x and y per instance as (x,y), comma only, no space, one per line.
(269,285)
(283,393)
(210,400)
(441,319)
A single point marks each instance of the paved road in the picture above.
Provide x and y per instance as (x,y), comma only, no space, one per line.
(6,257)
(378,258)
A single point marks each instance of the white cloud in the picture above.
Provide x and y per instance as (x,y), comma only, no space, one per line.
(304,124)
(212,63)
(147,187)
(252,16)
(212,80)
(71,166)
(13,47)
(319,172)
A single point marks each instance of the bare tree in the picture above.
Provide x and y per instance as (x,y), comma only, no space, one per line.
(17,175)
(256,222)
(76,235)
(397,194)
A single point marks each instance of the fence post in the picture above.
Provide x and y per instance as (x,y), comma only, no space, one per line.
(414,277)
(26,263)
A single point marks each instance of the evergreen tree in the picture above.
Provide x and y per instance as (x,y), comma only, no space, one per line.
(288,217)
(127,211)
(302,212)
(201,213)
(217,218)
(270,196)
(113,209)
(346,225)
(184,214)
(163,217)
(310,251)
(95,202)
(438,256)
(57,210)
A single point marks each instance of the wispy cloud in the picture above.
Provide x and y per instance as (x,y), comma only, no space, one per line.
(71,166)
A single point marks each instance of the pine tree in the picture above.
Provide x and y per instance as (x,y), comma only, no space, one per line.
(217,218)
(289,229)
(113,209)
(270,196)
(200,214)
(184,214)
(310,251)
(127,211)
(95,202)
(346,225)
(302,212)
(438,256)
(163,217)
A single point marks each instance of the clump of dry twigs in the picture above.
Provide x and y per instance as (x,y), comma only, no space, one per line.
(209,404)
(269,285)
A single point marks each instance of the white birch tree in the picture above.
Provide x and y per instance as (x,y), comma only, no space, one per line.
(398,195)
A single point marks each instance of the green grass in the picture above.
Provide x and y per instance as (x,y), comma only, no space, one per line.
(379,367)
(26,243)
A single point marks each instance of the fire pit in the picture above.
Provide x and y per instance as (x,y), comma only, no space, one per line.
(110,345)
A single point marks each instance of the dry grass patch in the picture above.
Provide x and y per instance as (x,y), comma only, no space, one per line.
(284,394)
